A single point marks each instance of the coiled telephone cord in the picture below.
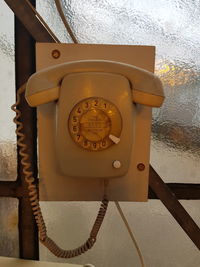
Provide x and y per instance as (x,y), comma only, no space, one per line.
(34,199)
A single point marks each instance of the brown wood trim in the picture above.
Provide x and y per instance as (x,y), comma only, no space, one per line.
(25,66)
(185,190)
(26,15)
(13,189)
(170,201)
(8,189)
(181,191)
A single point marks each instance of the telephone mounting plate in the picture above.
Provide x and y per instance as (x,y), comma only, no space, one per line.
(133,186)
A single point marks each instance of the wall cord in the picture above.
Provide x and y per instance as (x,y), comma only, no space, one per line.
(130,233)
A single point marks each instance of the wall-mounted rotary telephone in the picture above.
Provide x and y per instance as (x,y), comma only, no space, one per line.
(93,104)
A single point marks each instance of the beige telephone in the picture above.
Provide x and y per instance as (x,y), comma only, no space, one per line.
(94,105)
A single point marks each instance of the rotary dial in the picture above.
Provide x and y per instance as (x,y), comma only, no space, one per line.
(95,124)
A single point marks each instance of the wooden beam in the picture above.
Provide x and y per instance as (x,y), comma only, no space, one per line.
(181,191)
(25,66)
(13,189)
(8,188)
(185,191)
(30,21)
(174,207)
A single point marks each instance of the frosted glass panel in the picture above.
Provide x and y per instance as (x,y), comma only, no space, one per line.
(173,27)
(49,13)
(7,95)
(9,242)
(161,239)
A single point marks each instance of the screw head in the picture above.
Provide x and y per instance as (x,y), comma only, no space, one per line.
(55,53)
(141,166)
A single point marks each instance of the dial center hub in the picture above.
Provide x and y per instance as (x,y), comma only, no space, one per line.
(95,125)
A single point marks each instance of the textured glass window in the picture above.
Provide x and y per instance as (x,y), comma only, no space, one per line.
(9,242)
(49,13)
(7,95)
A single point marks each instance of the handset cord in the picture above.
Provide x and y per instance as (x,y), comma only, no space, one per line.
(34,198)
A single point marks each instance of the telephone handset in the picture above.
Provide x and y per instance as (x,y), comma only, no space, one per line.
(94,126)
(43,86)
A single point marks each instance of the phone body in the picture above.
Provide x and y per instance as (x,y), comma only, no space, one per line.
(59,92)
